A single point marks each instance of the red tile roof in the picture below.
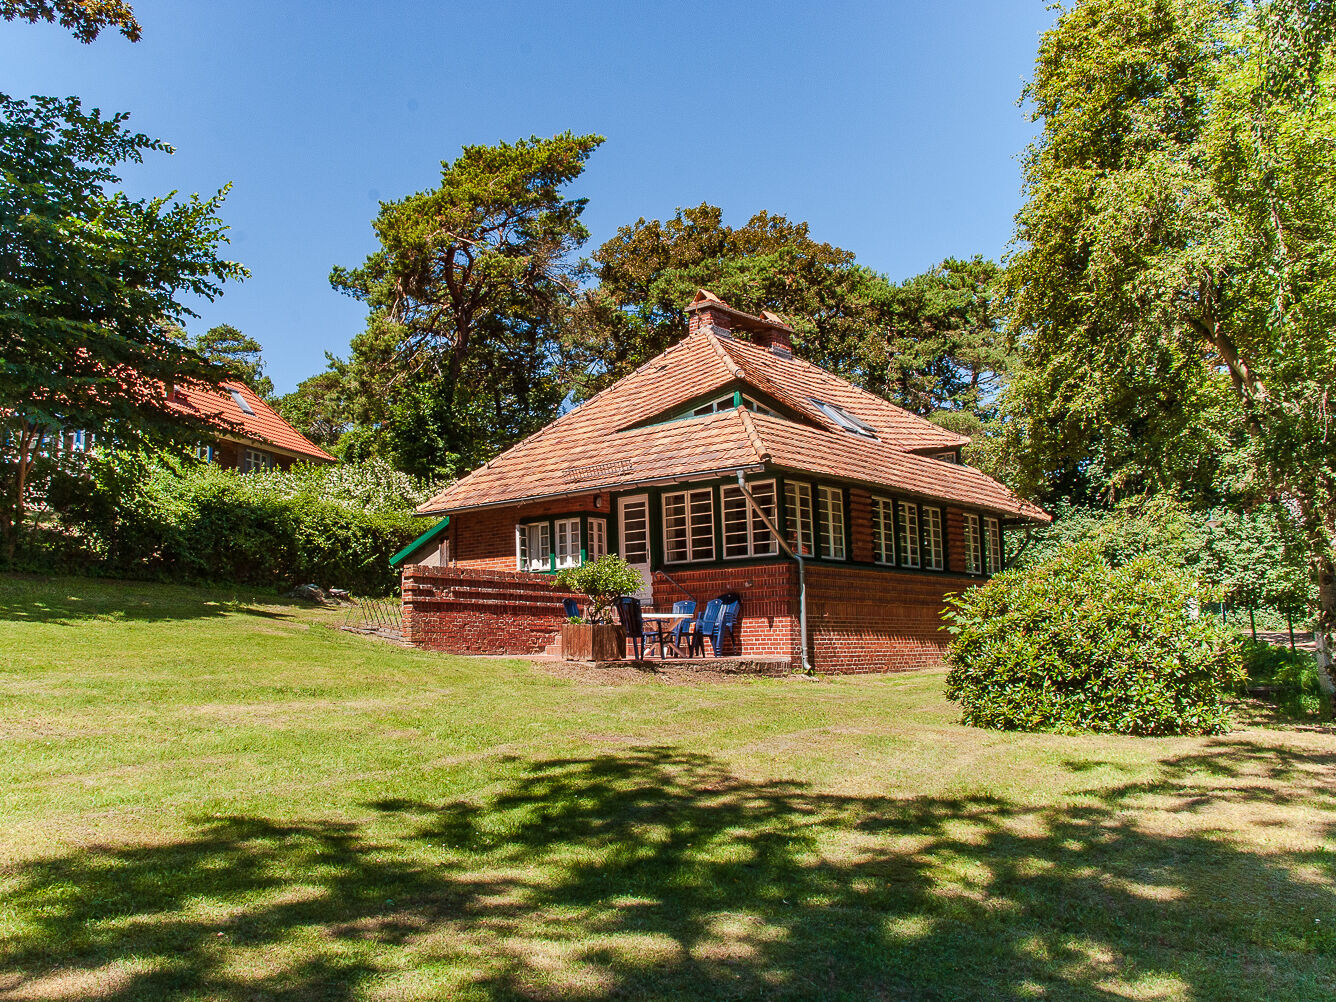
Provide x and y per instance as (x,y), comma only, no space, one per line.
(624,435)
(264,426)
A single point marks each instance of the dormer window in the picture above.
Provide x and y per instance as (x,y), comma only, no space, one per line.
(729,402)
(844,419)
(241,402)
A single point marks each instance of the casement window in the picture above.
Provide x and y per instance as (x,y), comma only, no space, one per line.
(992,535)
(533,546)
(568,542)
(635,530)
(883,530)
(204,452)
(745,534)
(597,544)
(688,526)
(973,546)
(909,535)
(831,502)
(800,526)
(255,459)
(934,547)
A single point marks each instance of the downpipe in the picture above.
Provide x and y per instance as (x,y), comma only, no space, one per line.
(797,557)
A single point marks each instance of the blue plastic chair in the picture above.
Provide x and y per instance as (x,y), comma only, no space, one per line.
(726,623)
(628,611)
(704,626)
(679,633)
(572,608)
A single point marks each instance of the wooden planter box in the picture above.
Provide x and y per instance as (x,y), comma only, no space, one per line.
(592,642)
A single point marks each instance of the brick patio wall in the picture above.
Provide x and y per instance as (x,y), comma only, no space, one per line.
(479,611)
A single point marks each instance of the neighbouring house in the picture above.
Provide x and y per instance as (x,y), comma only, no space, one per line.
(256,439)
(251,436)
(725,464)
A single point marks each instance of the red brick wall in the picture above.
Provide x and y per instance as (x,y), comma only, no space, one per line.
(485,539)
(477,611)
(859,619)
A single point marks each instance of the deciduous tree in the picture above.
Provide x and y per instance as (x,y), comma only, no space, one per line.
(91,284)
(1174,289)
(86,18)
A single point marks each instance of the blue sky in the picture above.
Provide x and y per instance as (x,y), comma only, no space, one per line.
(891,127)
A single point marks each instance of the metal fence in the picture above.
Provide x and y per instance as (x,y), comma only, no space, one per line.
(376,615)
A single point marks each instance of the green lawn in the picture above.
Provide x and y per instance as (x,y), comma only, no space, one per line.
(211,795)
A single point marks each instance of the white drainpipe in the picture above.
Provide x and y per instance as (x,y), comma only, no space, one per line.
(798,558)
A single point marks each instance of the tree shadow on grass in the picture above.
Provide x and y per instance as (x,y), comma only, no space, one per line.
(72,602)
(657,874)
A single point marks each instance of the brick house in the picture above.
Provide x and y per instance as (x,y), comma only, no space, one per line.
(725,464)
(256,438)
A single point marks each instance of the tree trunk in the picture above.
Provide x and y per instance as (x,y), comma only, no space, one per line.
(29,438)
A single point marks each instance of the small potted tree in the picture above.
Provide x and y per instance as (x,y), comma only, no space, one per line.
(595,636)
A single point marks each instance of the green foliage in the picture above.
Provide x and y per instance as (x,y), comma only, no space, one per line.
(931,342)
(320,407)
(602,581)
(1076,644)
(1173,290)
(1293,678)
(85,18)
(466,294)
(93,291)
(336,526)
(226,345)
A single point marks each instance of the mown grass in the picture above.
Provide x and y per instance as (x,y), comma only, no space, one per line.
(207,795)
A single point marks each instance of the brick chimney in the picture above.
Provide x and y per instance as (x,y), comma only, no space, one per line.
(708,311)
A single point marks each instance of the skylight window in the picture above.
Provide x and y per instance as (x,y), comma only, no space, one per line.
(844,419)
(241,402)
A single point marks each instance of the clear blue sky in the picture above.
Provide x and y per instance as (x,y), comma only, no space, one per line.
(891,127)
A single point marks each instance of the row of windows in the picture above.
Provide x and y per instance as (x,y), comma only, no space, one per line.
(904,534)
(533,543)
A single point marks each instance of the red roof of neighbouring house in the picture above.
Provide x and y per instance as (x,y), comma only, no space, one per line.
(262,426)
(627,434)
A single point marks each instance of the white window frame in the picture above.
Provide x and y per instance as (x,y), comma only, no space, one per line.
(800,517)
(597,543)
(727,403)
(697,515)
(973,545)
(907,528)
(883,530)
(933,526)
(525,557)
(830,501)
(568,542)
(256,459)
(756,539)
(992,549)
(638,502)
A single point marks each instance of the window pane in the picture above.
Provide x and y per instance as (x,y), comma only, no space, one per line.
(635,531)
(675,527)
(909,535)
(568,542)
(702,524)
(973,562)
(737,542)
(832,522)
(993,537)
(798,502)
(883,531)
(598,538)
(762,540)
(933,556)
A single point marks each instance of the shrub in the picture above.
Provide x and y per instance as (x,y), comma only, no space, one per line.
(141,517)
(601,580)
(1075,644)
(1293,677)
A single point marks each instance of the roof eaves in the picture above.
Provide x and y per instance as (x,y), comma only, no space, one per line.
(421,541)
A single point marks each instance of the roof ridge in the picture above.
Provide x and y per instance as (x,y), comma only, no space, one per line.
(729,362)
(754,436)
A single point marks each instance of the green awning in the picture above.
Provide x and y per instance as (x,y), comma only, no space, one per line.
(421,541)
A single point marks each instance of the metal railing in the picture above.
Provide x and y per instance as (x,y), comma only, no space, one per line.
(376,615)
